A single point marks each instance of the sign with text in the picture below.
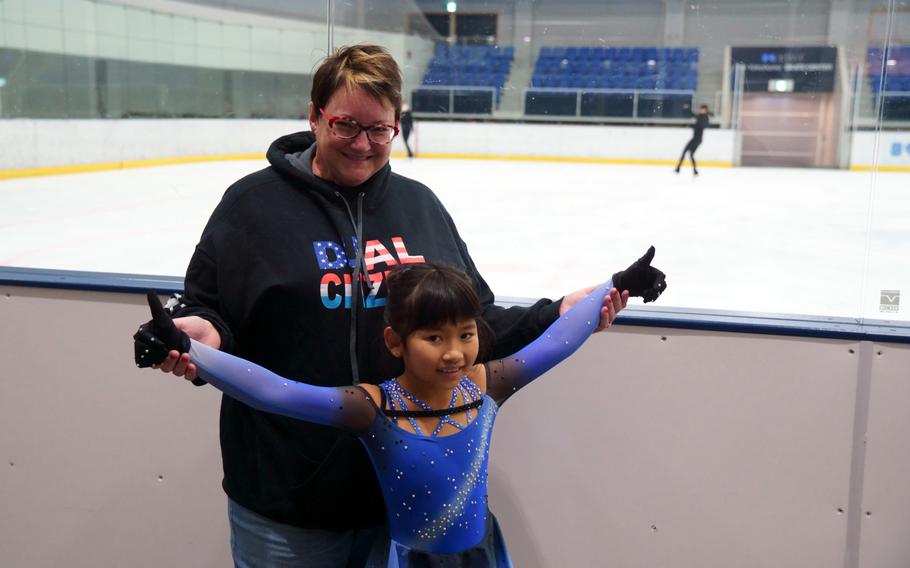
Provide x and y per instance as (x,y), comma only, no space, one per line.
(802,69)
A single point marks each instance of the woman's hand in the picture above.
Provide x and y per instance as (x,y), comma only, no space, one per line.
(162,343)
(199,329)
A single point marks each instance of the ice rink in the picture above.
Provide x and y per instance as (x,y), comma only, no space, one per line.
(791,241)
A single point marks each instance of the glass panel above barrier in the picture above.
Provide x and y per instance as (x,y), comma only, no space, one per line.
(881,133)
(552,132)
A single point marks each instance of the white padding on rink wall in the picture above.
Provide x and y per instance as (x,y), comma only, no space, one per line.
(893,149)
(48,143)
(569,141)
(29,143)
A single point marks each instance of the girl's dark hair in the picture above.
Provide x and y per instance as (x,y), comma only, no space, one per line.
(427,295)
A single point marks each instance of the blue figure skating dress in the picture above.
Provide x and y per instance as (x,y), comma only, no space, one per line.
(435,486)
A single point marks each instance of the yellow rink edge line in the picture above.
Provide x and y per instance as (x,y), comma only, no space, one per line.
(126,164)
(867,168)
(568,159)
(129,164)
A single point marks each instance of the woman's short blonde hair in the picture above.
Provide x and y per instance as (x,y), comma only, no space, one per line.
(370,67)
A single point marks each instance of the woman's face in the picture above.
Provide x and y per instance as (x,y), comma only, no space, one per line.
(351,162)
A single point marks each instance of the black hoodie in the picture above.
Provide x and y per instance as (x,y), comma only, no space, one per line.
(272,272)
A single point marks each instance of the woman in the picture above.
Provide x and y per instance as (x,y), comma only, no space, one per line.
(289,274)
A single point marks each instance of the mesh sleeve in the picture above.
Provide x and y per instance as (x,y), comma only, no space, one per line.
(564,336)
(348,408)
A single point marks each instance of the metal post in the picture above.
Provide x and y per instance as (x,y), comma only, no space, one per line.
(634,104)
(739,78)
(330,25)
(849,115)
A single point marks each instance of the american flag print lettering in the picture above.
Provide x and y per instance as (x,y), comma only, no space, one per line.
(337,266)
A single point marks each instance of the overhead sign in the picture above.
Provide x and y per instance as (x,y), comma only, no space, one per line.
(786,69)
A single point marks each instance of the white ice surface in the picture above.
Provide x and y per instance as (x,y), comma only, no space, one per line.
(791,241)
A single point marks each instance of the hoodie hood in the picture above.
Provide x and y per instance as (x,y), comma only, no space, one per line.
(374,189)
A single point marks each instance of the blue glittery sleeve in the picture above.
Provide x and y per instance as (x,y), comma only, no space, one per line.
(557,342)
(342,407)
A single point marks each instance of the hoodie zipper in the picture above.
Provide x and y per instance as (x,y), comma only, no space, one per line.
(356,289)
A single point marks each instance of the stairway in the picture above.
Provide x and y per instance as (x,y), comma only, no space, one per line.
(511,105)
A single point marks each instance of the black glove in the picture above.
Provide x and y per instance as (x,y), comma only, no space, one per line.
(642,279)
(156,338)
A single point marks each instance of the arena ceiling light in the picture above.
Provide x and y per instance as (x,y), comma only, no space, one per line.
(451,7)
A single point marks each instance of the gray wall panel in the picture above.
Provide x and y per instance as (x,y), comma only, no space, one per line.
(886,496)
(704,449)
(102,465)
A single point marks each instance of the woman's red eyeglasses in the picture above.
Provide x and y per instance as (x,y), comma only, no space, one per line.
(347,128)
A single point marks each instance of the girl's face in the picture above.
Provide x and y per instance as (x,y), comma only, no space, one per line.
(440,355)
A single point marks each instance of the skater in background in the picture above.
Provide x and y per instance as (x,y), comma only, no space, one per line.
(407,124)
(698,128)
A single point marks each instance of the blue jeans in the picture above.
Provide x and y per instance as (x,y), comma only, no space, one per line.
(259,542)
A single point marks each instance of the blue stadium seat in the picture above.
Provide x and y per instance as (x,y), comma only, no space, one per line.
(894,83)
(599,67)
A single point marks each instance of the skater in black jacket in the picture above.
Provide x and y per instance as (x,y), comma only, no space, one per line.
(701,122)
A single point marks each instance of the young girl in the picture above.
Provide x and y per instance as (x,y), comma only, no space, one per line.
(428,430)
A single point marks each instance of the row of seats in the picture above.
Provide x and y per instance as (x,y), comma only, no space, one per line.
(688,83)
(891,84)
(444,51)
(457,79)
(896,62)
(684,54)
(650,67)
(470,65)
(645,68)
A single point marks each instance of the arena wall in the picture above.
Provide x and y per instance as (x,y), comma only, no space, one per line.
(655,445)
(33,145)
(891,149)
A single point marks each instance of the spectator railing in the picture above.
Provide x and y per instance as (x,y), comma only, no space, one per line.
(453,99)
(634,104)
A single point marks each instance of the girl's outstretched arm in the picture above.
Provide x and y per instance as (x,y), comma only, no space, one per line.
(341,407)
(565,335)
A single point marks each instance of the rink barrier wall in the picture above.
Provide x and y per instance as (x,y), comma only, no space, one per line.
(34,148)
(34,145)
(87,168)
(887,151)
(757,448)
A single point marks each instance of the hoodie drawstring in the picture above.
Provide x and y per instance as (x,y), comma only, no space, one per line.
(356,290)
